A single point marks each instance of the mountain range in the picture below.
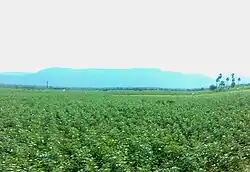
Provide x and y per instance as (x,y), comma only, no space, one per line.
(102,78)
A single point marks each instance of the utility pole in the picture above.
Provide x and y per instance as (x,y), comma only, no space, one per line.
(47,84)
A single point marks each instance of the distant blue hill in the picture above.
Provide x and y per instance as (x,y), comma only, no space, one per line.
(101,78)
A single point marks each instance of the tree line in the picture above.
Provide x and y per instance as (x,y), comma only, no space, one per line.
(229,82)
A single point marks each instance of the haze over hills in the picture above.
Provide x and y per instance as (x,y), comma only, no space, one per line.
(98,78)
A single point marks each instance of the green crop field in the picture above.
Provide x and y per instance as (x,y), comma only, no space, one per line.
(100,131)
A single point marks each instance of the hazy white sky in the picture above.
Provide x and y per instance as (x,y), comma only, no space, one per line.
(188,36)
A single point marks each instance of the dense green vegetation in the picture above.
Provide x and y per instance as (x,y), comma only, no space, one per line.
(97,131)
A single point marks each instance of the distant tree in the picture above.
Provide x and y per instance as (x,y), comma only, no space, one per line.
(239,79)
(212,87)
(222,84)
(233,80)
(220,75)
(233,83)
(218,80)
(227,79)
(232,75)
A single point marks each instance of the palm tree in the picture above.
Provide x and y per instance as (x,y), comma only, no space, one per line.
(239,79)
(227,79)
(232,75)
(218,80)
(220,75)
(233,82)
(222,84)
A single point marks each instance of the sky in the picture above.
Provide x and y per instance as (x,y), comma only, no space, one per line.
(194,36)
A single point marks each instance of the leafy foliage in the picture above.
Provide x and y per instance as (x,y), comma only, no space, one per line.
(212,87)
(76,131)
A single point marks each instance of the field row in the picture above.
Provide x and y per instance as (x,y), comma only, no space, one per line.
(69,131)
